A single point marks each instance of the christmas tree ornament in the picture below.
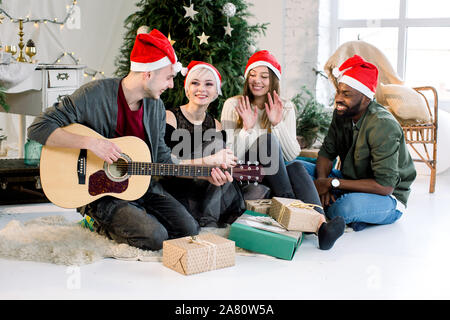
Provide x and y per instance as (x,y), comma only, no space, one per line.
(229,9)
(170,40)
(203,38)
(190,12)
(228,29)
(143,29)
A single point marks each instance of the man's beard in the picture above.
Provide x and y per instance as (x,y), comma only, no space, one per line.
(352,111)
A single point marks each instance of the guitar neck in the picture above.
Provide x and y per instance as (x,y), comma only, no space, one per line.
(168,169)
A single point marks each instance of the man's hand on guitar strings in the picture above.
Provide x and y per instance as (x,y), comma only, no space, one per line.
(105,149)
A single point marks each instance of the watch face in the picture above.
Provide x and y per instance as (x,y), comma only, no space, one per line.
(335,183)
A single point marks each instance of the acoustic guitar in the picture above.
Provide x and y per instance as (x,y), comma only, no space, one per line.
(72,178)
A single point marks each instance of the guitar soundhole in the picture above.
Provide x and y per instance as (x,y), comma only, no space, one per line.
(118,170)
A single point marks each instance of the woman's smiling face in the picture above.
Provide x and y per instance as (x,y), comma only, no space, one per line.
(202,88)
(259,81)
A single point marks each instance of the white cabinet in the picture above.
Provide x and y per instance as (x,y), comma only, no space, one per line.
(48,84)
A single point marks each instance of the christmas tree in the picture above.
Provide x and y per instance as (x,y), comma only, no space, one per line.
(216,32)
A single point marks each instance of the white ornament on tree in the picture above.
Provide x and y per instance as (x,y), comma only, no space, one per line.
(228,29)
(229,10)
(190,12)
(203,38)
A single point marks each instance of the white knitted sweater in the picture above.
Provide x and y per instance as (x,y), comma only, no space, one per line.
(239,140)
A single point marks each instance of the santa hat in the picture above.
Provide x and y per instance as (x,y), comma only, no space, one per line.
(194,65)
(358,74)
(263,58)
(152,51)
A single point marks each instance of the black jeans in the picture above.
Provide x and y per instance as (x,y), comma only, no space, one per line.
(289,180)
(144,223)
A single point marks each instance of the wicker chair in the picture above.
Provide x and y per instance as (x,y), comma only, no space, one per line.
(422,138)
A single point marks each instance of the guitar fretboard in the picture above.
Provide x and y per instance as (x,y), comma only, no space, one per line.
(167,169)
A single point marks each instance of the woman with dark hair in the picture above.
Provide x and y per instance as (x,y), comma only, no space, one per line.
(261,126)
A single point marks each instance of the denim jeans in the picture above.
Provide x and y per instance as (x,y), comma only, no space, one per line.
(358,206)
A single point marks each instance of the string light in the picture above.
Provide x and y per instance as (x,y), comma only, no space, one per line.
(55,20)
(89,72)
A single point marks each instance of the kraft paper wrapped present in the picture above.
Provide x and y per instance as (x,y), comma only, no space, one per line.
(260,233)
(204,252)
(295,215)
(260,205)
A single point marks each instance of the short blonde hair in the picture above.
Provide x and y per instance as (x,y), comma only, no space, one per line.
(198,73)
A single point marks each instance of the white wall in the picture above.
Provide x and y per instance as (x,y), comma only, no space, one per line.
(292,37)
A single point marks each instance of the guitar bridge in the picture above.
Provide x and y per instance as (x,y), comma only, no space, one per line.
(81,166)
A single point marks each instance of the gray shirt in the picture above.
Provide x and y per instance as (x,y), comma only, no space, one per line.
(95,105)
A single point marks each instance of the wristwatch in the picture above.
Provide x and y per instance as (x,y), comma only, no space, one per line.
(335,183)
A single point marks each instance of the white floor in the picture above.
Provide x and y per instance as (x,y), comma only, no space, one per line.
(407,260)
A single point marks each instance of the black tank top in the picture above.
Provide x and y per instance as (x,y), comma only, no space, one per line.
(198,139)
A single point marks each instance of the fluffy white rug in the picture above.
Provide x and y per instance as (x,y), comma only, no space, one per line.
(54,239)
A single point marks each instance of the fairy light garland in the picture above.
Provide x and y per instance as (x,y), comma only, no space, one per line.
(43,20)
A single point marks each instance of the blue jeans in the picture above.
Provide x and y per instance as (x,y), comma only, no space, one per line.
(357,206)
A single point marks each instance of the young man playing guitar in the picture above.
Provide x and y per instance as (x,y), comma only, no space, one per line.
(130,107)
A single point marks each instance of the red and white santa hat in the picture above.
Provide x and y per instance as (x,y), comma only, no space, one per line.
(263,58)
(358,74)
(152,51)
(194,65)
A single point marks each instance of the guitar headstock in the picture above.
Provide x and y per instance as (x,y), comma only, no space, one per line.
(248,172)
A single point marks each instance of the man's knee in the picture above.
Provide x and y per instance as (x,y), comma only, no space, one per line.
(134,226)
(344,208)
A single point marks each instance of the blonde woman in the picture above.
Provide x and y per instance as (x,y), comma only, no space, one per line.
(192,132)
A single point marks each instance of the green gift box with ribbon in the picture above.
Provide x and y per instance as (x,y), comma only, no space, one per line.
(260,233)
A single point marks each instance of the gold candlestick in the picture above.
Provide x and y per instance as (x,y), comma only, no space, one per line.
(21,57)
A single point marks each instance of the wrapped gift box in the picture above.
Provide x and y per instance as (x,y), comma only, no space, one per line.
(205,252)
(259,233)
(260,205)
(294,214)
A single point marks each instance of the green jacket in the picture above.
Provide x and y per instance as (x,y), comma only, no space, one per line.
(374,148)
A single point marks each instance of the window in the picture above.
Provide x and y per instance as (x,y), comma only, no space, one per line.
(413,34)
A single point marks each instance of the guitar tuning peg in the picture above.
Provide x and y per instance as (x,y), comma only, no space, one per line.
(256,163)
